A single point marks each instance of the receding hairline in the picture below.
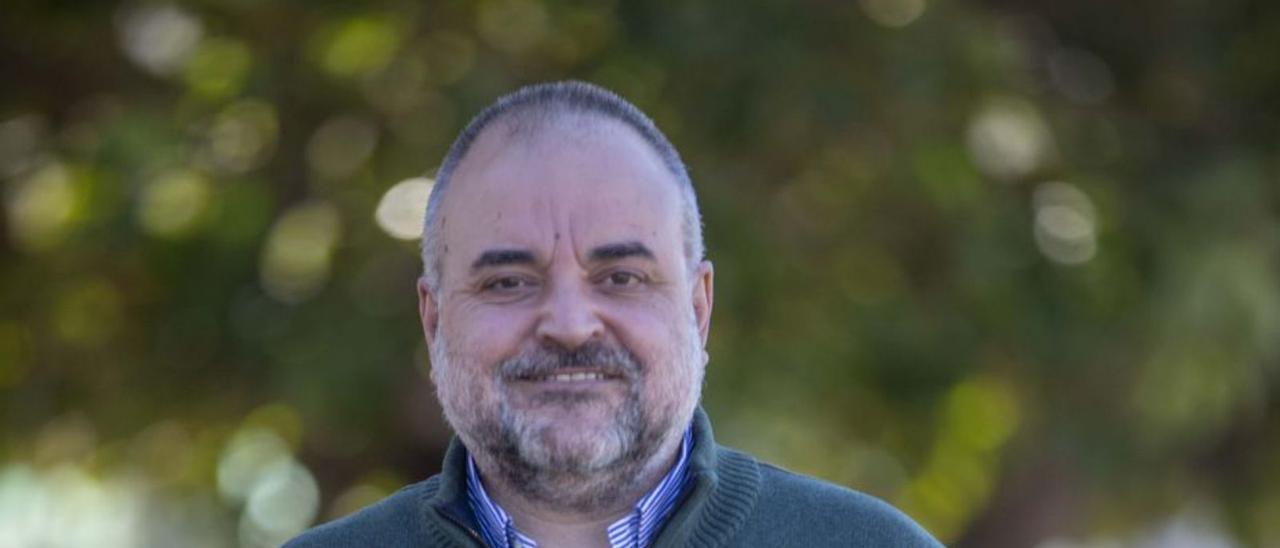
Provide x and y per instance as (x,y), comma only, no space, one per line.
(504,134)
(528,113)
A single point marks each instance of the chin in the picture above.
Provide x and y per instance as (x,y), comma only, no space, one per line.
(583,441)
(580,454)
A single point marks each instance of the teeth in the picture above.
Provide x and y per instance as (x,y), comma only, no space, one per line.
(570,377)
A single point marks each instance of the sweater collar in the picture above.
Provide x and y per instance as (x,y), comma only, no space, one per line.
(723,491)
(725,486)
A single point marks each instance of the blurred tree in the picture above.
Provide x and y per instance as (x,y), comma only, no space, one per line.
(1009,265)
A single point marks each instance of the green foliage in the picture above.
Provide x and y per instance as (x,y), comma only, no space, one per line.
(994,264)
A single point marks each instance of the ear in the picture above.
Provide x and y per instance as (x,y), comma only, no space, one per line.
(703,298)
(429,311)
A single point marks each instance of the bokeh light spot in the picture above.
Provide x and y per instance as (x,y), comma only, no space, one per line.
(67,439)
(296,259)
(401,209)
(241,137)
(981,414)
(283,502)
(42,207)
(67,506)
(249,453)
(357,497)
(1197,524)
(218,68)
(173,204)
(358,46)
(1008,140)
(158,37)
(280,418)
(1065,223)
(978,417)
(893,13)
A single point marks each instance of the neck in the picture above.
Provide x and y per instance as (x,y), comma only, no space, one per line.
(576,525)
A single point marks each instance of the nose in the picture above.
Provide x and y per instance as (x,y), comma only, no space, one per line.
(569,316)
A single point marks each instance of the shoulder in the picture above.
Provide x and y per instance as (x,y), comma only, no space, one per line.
(393,521)
(792,506)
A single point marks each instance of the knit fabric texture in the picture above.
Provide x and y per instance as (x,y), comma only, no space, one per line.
(734,500)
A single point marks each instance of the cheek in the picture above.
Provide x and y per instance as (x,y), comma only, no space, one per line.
(468,351)
(486,335)
(659,338)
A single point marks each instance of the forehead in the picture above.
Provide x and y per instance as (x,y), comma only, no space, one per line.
(591,181)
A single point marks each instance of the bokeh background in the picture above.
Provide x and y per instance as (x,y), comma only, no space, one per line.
(1011,266)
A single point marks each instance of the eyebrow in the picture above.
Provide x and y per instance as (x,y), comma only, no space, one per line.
(607,252)
(614,252)
(502,257)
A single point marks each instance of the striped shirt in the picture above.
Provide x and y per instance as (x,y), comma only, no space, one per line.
(634,530)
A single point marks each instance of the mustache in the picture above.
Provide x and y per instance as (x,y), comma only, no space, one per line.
(611,361)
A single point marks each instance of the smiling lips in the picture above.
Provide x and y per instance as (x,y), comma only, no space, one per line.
(570,376)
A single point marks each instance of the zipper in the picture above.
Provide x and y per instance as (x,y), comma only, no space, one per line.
(475,536)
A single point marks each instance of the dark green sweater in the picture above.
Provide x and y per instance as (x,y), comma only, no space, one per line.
(734,501)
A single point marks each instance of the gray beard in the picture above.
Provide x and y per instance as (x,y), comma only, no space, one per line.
(574,482)
(516,449)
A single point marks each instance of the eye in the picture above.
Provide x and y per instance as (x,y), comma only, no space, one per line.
(506,284)
(624,279)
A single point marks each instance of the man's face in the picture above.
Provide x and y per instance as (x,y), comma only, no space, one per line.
(569,326)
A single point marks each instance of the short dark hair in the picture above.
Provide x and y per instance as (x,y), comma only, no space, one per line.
(541,102)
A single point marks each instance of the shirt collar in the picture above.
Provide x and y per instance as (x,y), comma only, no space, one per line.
(637,529)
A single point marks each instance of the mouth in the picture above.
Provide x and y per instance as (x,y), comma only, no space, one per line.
(570,377)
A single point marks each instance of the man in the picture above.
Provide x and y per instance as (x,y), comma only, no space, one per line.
(566,304)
